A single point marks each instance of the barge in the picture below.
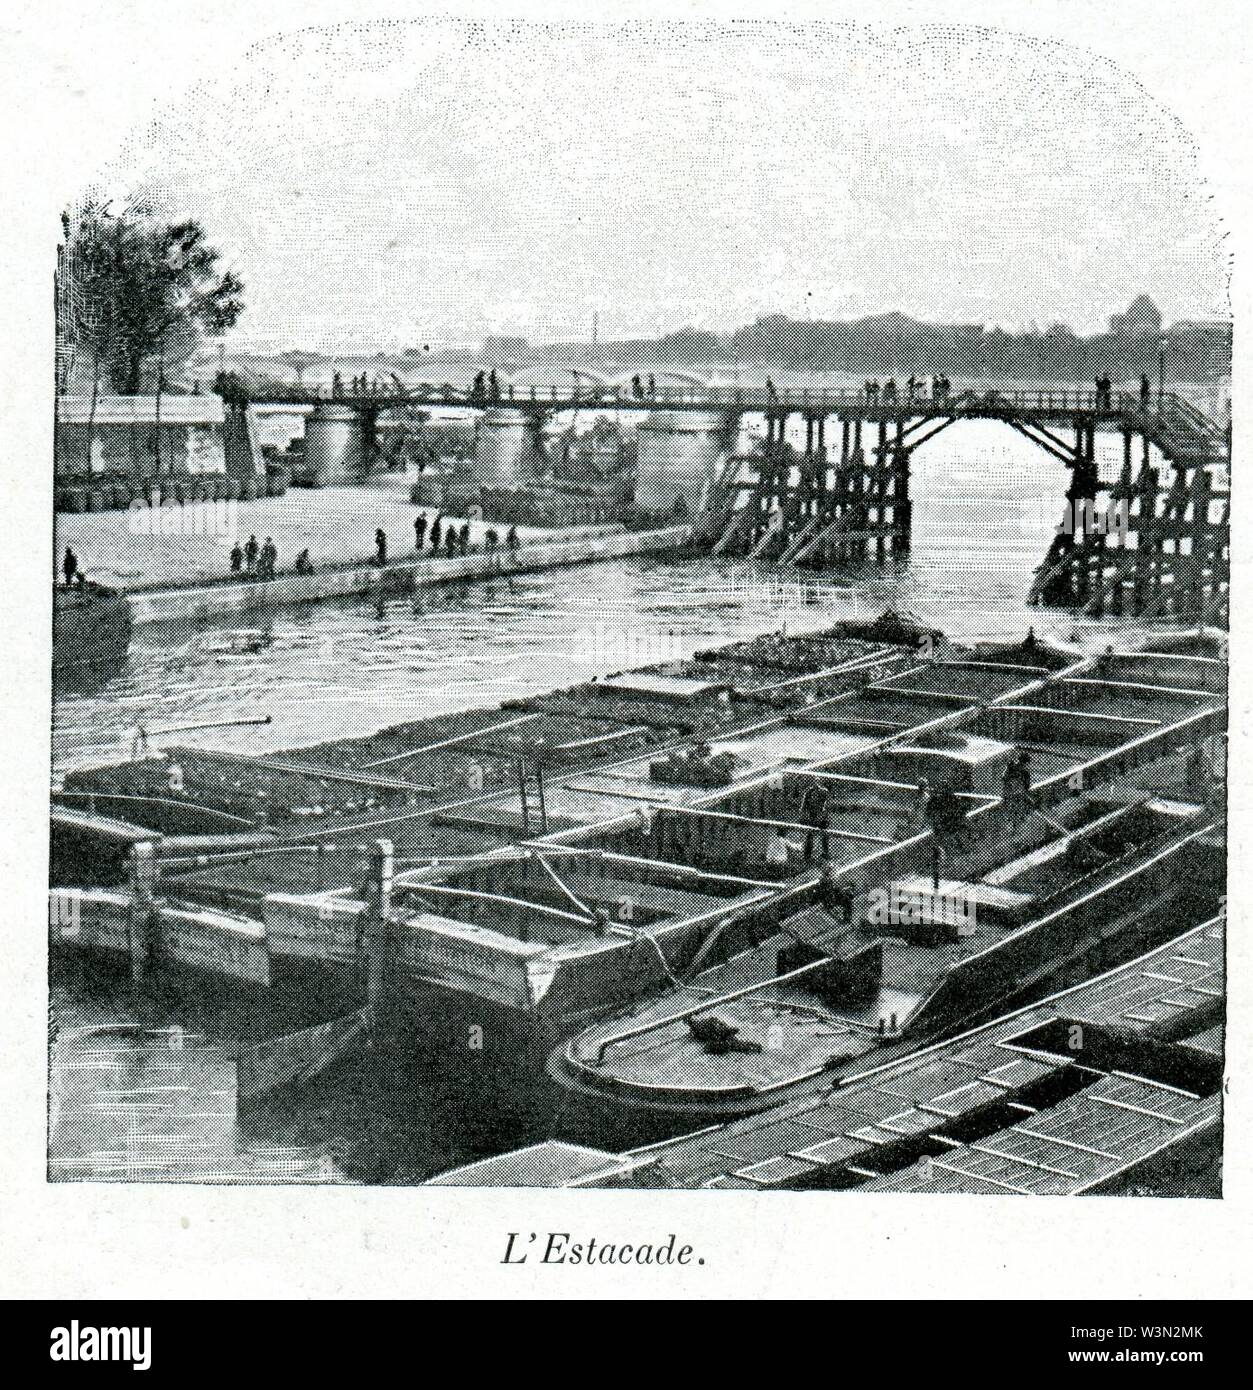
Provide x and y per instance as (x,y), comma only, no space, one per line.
(1111,1087)
(578,854)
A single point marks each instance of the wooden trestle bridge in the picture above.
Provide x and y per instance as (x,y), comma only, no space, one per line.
(1140,545)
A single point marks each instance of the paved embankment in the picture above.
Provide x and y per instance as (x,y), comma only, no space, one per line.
(227,598)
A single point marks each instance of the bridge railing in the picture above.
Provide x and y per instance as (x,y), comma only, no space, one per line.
(991,401)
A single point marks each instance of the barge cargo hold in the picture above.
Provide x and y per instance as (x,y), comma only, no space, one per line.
(1114,1087)
(824,1000)
(671,830)
(571,927)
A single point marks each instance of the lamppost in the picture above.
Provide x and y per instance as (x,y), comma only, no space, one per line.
(1161,368)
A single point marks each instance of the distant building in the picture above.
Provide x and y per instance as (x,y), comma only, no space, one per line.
(137,437)
(1212,330)
(1142,319)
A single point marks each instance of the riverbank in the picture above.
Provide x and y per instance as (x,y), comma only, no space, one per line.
(554,550)
(177,568)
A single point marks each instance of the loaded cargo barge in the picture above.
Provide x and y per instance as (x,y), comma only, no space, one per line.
(566,857)
(1111,1087)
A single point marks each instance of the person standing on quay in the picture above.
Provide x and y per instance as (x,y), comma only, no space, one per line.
(436,528)
(69,567)
(464,539)
(511,539)
(1016,788)
(380,547)
(237,558)
(251,551)
(419,530)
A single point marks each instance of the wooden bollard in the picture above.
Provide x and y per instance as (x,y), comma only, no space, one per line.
(141,914)
(378,927)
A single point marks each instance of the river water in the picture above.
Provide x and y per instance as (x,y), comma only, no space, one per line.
(985,503)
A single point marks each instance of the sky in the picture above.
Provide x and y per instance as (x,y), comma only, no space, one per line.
(396,183)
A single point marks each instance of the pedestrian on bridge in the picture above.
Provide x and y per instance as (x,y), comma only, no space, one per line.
(511,539)
(872,390)
(1146,391)
(652,385)
(637,387)
(419,530)
(772,395)
(380,546)
(436,528)
(463,540)
(493,385)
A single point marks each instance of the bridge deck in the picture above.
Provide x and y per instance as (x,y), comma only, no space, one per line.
(1058,405)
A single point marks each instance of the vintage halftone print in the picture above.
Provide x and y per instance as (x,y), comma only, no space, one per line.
(643,605)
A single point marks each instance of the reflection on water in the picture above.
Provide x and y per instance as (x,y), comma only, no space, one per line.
(127,1104)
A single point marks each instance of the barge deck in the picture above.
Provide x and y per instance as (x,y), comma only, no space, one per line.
(1110,1086)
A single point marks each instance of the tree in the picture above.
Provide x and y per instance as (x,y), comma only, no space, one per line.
(144,288)
(300,362)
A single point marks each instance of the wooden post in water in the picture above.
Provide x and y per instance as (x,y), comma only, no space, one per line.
(142,913)
(820,475)
(379,935)
(902,518)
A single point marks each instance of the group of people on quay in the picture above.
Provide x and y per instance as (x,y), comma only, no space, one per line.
(261,561)
(256,560)
(455,540)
